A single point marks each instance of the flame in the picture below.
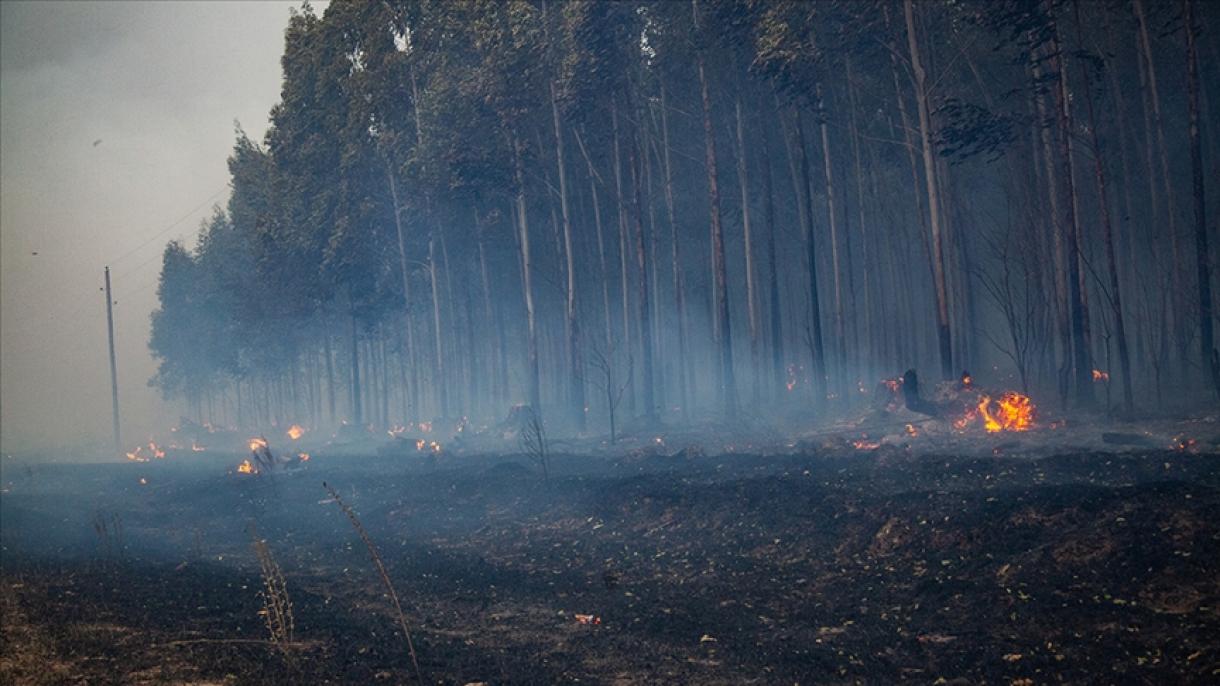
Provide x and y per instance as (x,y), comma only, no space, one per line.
(397,430)
(135,455)
(246,468)
(1101,376)
(1012,412)
(436,447)
(294,432)
(303,457)
(967,380)
(143,481)
(195,447)
(420,443)
(893,384)
(865,444)
(911,430)
(256,443)
(425,427)
(156,452)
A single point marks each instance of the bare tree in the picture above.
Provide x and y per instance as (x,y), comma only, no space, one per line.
(534,443)
(608,382)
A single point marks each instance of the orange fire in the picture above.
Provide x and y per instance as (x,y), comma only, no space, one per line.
(893,384)
(865,444)
(303,457)
(1100,376)
(135,455)
(1012,412)
(420,443)
(911,430)
(256,443)
(156,451)
(294,432)
(246,468)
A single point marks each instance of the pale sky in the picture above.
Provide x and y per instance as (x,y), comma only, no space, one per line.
(116,119)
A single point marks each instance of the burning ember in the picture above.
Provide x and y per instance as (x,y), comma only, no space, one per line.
(256,443)
(246,468)
(195,447)
(303,457)
(911,430)
(135,455)
(156,452)
(865,444)
(294,432)
(1100,376)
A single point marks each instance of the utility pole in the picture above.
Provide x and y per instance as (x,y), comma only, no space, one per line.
(114,379)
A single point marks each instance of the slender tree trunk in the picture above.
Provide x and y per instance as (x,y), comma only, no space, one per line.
(576,384)
(1082,367)
(743,181)
(1177,305)
(357,410)
(535,392)
(679,284)
(649,390)
(818,383)
(728,381)
(1116,301)
(622,254)
(870,354)
(929,168)
(1211,359)
(777,337)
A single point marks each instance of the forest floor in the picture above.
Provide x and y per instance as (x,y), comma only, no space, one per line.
(829,567)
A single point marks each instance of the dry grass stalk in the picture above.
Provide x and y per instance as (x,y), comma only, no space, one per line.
(277,606)
(385,578)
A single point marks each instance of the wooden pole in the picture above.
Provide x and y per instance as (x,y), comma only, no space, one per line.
(114,379)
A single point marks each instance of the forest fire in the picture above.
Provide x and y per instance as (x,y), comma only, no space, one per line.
(1011,412)
(246,467)
(295,431)
(256,443)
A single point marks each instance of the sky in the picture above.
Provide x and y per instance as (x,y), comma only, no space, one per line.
(116,120)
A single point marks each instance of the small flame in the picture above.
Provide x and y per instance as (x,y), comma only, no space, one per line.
(195,447)
(246,468)
(294,432)
(865,444)
(436,447)
(397,430)
(911,430)
(135,455)
(893,384)
(156,451)
(1100,376)
(256,443)
(425,427)
(420,443)
(303,457)
(143,481)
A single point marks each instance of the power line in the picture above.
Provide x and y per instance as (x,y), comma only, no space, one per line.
(167,229)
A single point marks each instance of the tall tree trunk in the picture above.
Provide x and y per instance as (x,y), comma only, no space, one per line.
(441,381)
(1116,300)
(648,375)
(622,254)
(1177,305)
(818,350)
(929,168)
(535,391)
(777,337)
(402,261)
(743,181)
(594,180)
(357,410)
(836,258)
(870,353)
(1211,359)
(1082,367)
(576,387)
(728,381)
(679,285)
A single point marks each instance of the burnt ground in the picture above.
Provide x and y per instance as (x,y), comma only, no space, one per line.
(870,567)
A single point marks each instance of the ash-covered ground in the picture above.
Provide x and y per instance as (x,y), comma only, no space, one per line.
(863,554)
